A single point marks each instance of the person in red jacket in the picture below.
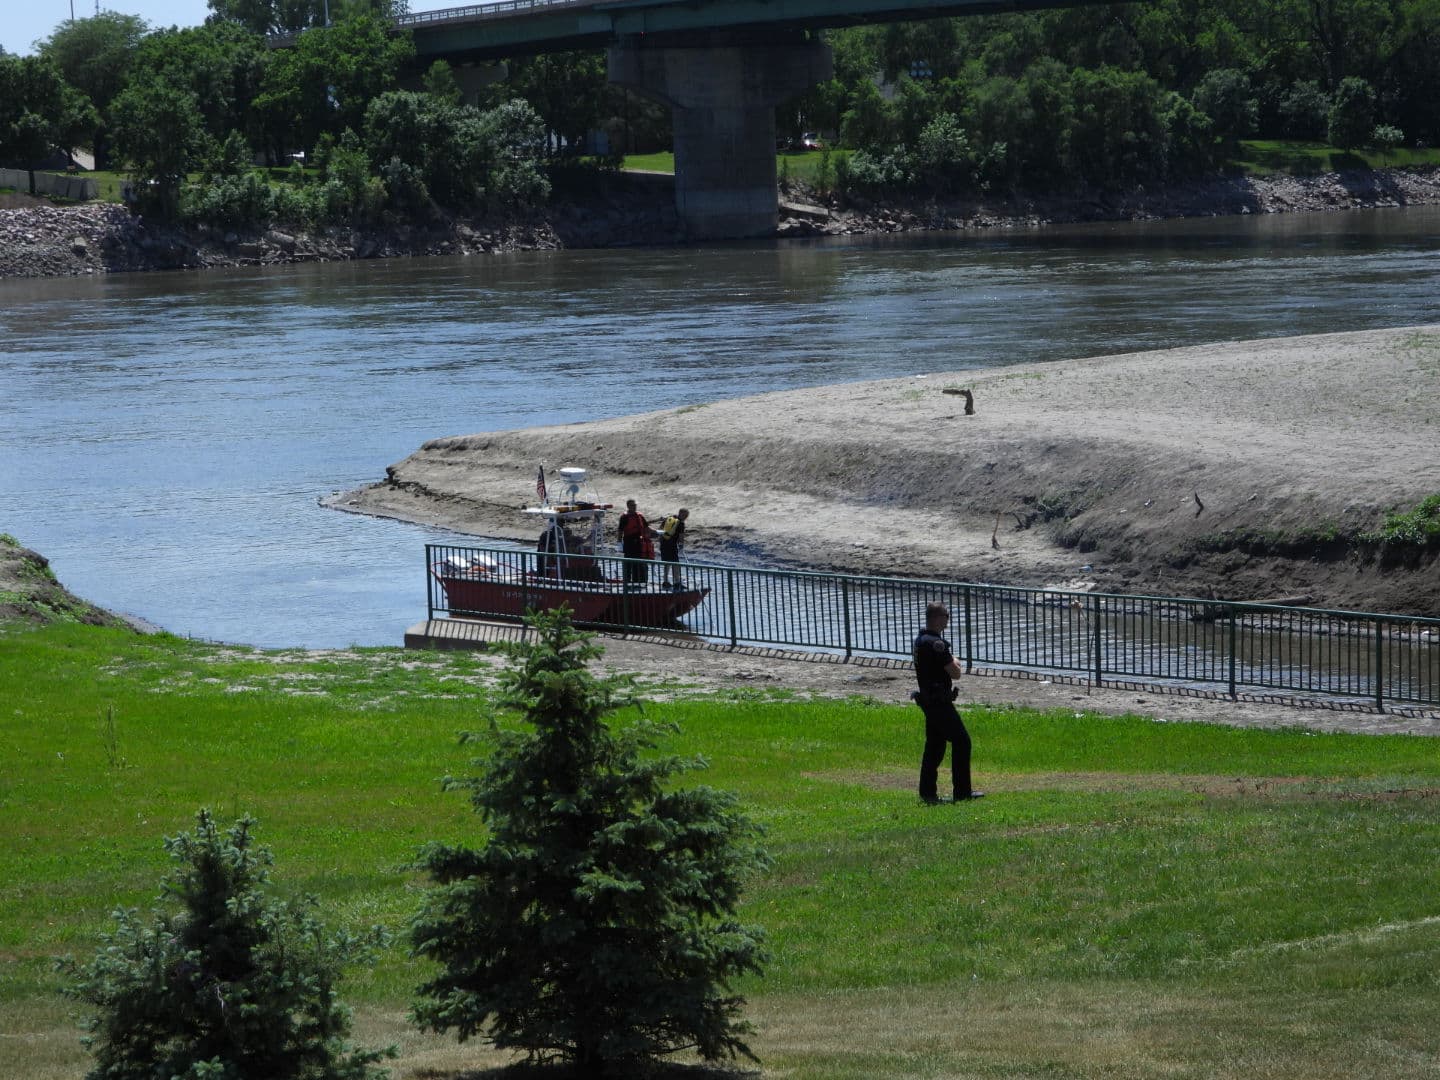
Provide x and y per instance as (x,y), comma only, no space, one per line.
(635,537)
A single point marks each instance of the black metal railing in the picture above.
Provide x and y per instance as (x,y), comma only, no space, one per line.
(1362,656)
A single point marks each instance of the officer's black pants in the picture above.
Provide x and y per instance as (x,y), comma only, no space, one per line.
(636,573)
(943,725)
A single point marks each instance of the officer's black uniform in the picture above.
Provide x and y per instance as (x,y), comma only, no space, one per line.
(942,721)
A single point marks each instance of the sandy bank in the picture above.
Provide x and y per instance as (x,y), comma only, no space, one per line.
(1236,470)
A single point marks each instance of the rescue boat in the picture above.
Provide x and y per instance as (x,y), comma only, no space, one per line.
(565,570)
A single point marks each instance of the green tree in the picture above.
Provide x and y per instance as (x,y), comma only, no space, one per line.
(1118,136)
(222,64)
(566,90)
(513,140)
(292,16)
(349,190)
(269,16)
(1305,110)
(95,56)
(1225,96)
(234,985)
(444,145)
(596,923)
(160,133)
(39,112)
(943,157)
(326,80)
(1352,113)
(869,123)
(440,83)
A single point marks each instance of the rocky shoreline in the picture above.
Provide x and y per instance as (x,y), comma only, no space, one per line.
(44,240)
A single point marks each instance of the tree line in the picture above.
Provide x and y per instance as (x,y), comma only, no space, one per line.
(1112,95)
(1103,95)
(208,102)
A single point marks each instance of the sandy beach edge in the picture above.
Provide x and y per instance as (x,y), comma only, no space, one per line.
(1235,470)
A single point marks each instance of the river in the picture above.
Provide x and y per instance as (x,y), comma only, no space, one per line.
(165,438)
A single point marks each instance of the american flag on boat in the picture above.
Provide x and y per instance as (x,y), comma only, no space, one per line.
(540,484)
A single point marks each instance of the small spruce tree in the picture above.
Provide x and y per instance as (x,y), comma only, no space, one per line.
(596,924)
(236,985)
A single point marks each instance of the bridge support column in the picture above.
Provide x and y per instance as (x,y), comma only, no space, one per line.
(722,96)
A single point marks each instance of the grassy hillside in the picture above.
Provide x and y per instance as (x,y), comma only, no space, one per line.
(1133,899)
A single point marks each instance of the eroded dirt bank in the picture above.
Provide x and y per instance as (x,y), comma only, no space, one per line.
(1245,470)
(29,592)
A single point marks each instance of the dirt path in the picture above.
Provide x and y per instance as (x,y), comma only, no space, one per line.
(1240,470)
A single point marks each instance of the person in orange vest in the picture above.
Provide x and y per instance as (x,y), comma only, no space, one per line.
(635,537)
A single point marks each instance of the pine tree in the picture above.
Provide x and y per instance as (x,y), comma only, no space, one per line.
(235,985)
(596,923)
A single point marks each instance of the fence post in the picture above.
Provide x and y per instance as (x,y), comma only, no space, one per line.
(730,603)
(1233,649)
(429,588)
(1099,657)
(625,595)
(1379,665)
(969,635)
(845,611)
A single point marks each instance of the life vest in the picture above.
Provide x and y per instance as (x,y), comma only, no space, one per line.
(667,530)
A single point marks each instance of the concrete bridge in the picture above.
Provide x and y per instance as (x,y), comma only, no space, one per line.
(722,66)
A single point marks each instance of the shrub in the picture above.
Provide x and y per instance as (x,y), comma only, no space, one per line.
(866,174)
(234,985)
(239,202)
(943,156)
(1417,528)
(595,924)
(1386,137)
(295,205)
(404,187)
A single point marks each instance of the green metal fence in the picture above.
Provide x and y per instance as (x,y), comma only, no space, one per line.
(1360,656)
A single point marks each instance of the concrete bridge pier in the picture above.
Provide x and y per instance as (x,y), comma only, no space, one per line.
(722,95)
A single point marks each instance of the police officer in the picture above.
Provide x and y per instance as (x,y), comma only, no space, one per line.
(935,670)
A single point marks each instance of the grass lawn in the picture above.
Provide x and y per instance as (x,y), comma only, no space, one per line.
(109,184)
(1133,899)
(1257,157)
(799,164)
(1264,157)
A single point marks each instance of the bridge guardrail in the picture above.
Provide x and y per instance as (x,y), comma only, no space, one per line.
(1362,656)
(469,13)
(484,11)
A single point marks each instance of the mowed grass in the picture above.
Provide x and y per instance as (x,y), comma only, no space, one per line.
(797,164)
(1133,899)
(1265,157)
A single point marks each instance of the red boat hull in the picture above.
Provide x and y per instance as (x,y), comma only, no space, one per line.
(482,593)
(485,595)
(652,608)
